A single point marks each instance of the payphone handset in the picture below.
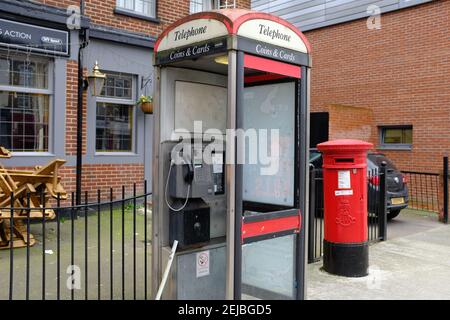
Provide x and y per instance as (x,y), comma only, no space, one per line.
(190,177)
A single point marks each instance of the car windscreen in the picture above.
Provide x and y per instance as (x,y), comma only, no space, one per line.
(377,159)
(314,155)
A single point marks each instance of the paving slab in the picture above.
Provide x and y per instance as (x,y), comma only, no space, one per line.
(413,264)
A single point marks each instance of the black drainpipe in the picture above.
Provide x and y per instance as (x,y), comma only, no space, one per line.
(83,42)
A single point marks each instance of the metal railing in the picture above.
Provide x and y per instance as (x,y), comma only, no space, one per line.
(424,190)
(377,215)
(96,250)
(445,178)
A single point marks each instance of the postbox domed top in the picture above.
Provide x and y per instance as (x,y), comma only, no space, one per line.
(344,145)
(253,25)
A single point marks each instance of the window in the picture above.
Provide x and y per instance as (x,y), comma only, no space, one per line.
(396,137)
(24,104)
(141,7)
(115,114)
(202,5)
(117,86)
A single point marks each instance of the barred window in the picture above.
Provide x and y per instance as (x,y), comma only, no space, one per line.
(24,104)
(115,114)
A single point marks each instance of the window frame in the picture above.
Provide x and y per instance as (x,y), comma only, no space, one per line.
(214,5)
(115,73)
(394,146)
(136,14)
(123,101)
(50,92)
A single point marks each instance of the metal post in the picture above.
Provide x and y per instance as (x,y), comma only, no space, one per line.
(238,181)
(382,212)
(11,246)
(446,189)
(301,243)
(157,187)
(312,212)
(230,170)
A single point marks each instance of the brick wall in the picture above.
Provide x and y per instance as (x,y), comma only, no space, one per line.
(101,12)
(243,4)
(102,177)
(347,122)
(400,72)
(71,108)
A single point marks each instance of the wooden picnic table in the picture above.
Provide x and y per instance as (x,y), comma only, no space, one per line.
(29,191)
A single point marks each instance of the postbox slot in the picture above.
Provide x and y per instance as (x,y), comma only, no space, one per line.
(344,160)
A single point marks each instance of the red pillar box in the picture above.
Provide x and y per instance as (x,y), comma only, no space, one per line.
(346,247)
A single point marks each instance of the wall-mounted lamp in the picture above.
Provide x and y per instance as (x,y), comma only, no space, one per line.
(95,81)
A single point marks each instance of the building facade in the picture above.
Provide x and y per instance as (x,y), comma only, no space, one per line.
(39,47)
(381,73)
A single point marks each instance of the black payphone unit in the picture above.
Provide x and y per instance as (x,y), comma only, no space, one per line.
(190,179)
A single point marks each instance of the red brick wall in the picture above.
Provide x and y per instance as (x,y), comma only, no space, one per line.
(60,3)
(347,122)
(101,12)
(71,108)
(243,4)
(103,177)
(401,72)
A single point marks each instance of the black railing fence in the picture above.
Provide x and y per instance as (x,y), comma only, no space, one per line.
(445,180)
(429,191)
(96,250)
(377,216)
(424,190)
(316,215)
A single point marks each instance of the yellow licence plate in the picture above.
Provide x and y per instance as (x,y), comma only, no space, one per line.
(398,200)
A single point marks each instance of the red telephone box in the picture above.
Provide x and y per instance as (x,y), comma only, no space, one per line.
(346,251)
(225,70)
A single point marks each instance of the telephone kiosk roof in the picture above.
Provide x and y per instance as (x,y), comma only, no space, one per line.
(255,32)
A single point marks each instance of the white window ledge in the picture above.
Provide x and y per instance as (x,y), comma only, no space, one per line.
(31,154)
(395,147)
(119,154)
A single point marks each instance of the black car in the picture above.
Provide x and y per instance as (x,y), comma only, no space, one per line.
(397,188)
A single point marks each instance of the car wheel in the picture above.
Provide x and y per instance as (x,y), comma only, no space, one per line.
(392,214)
